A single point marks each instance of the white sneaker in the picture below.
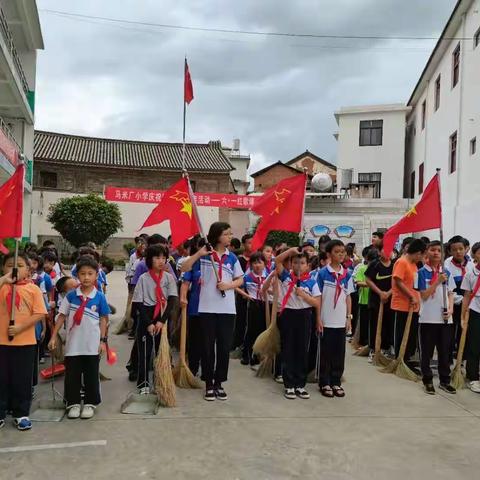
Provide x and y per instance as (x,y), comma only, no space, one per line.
(279,379)
(144,391)
(370,357)
(302,393)
(73,411)
(87,411)
(474,386)
(290,394)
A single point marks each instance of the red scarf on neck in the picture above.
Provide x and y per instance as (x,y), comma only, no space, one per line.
(220,262)
(161,300)
(462,266)
(9,298)
(259,282)
(476,287)
(293,283)
(338,285)
(53,274)
(78,315)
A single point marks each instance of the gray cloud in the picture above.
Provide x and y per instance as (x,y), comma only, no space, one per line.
(277,94)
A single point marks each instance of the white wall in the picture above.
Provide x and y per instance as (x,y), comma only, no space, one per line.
(387,158)
(459,111)
(133,216)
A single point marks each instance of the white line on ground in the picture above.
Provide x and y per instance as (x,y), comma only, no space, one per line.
(53,446)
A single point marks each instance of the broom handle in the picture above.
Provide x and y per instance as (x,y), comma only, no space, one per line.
(378,334)
(267,312)
(183,335)
(275,301)
(406,334)
(463,339)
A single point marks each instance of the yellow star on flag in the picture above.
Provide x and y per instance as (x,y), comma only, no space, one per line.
(184,199)
(411,212)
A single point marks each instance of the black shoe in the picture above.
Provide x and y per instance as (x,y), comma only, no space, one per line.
(209,395)
(447,388)
(220,393)
(132,376)
(244,361)
(429,388)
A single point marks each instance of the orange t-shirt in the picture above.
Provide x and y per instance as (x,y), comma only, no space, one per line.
(31,303)
(405,271)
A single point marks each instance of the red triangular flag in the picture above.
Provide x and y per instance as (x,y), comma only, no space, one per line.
(11,206)
(425,215)
(281,208)
(187,85)
(176,206)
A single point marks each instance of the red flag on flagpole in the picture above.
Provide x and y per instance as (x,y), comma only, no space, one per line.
(187,85)
(281,208)
(425,215)
(177,207)
(11,207)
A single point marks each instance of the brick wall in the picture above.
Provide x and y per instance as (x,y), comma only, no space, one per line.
(272,176)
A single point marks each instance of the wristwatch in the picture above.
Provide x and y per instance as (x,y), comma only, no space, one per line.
(104,339)
(349,317)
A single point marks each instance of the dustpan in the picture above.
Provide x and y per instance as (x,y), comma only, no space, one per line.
(50,409)
(142,403)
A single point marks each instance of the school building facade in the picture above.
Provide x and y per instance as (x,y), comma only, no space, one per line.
(20,38)
(67,165)
(397,148)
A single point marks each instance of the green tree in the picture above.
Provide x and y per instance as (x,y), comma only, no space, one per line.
(81,219)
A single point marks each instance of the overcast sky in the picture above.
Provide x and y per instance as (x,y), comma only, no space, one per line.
(277,95)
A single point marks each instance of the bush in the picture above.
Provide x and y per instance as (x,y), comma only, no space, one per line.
(81,219)
(277,236)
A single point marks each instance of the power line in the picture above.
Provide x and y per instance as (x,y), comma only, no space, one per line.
(246,32)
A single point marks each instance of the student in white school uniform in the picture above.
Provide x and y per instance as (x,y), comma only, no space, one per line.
(216,310)
(298,294)
(85,311)
(435,325)
(471,305)
(335,320)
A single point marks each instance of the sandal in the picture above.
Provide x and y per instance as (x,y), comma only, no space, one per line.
(326,391)
(338,391)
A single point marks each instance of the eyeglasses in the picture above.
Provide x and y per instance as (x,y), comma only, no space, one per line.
(342,231)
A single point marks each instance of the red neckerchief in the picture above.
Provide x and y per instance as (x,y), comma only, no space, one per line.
(462,266)
(161,300)
(476,287)
(78,315)
(293,282)
(17,296)
(53,274)
(435,273)
(269,265)
(259,282)
(220,263)
(338,285)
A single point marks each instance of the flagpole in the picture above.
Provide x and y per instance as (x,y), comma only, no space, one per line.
(442,261)
(184,116)
(303,208)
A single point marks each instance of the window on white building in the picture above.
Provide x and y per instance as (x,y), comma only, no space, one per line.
(437,93)
(412,184)
(424,113)
(455,66)
(374,179)
(473,146)
(421,172)
(476,39)
(371,133)
(48,179)
(452,167)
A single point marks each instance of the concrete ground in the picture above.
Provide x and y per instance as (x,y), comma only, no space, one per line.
(385,428)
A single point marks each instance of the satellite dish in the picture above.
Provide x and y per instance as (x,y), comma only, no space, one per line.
(322,182)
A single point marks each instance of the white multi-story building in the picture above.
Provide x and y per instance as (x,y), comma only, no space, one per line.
(401,146)
(370,146)
(20,38)
(444,124)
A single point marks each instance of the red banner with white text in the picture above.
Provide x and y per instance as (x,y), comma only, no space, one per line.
(143,195)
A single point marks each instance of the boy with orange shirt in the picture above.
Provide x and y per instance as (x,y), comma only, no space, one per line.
(404,296)
(17,355)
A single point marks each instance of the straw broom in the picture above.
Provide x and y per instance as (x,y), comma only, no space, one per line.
(125,324)
(458,380)
(359,350)
(267,343)
(164,382)
(379,359)
(182,375)
(398,366)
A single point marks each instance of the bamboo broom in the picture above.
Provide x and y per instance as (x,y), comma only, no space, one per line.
(458,380)
(164,382)
(182,374)
(359,350)
(398,366)
(267,343)
(125,324)
(379,359)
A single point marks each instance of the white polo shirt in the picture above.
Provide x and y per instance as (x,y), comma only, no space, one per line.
(211,300)
(468,284)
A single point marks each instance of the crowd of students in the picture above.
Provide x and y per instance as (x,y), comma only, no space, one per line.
(324,295)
